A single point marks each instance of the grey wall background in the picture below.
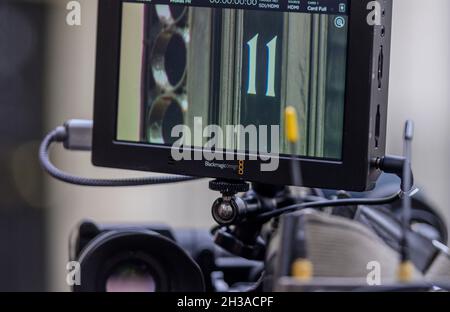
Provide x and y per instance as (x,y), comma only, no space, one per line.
(420,80)
(419,89)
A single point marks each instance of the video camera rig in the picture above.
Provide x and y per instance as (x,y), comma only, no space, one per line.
(320,72)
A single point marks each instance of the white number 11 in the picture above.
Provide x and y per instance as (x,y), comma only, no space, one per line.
(271,63)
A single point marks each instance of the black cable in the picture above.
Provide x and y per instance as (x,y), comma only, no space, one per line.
(59,135)
(330,203)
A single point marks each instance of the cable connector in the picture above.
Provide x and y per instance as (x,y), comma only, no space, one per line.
(78,135)
(395,165)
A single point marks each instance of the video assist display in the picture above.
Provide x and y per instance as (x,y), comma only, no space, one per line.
(185,65)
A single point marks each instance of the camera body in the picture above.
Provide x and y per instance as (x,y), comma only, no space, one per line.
(339,242)
(154,258)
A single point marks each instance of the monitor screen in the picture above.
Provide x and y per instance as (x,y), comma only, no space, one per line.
(237,68)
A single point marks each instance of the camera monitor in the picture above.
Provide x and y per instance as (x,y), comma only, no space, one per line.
(200,88)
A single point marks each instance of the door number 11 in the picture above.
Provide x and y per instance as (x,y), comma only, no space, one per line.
(271,63)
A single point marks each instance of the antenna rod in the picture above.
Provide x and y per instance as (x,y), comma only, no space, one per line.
(406,267)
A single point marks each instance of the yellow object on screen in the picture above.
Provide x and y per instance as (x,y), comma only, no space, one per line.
(291,124)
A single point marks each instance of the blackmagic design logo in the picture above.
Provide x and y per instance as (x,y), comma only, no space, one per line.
(221,166)
(240,168)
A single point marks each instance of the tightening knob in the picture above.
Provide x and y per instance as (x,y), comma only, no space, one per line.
(229,188)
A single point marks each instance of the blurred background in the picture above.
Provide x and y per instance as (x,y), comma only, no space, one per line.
(47,76)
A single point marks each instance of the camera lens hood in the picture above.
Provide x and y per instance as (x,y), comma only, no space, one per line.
(171,268)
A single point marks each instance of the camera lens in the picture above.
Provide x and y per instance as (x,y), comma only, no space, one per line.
(135,260)
(169,59)
(134,276)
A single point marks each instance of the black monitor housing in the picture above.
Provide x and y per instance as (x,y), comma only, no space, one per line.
(348,165)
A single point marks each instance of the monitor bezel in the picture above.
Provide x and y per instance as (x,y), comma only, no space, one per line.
(354,172)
